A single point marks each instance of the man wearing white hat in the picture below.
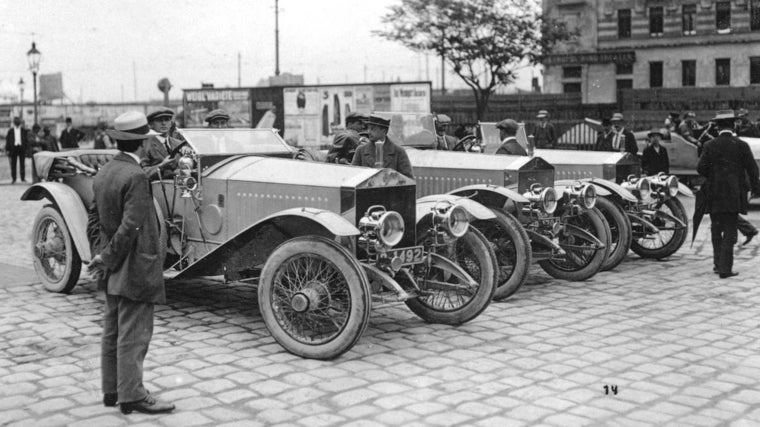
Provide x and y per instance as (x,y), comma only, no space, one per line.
(622,139)
(130,255)
(544,135)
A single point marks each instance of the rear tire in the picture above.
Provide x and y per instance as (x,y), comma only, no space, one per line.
(584,263)
(620,232)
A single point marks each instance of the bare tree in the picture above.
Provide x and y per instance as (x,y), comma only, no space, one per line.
(484,41)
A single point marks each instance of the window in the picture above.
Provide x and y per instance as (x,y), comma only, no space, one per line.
(624,23)
(754,15)
(723,17)
(689,19)
(571,87)
(754,70)
(655,74)
(722,71)
(624,84)
(688,73)
(655,21)
(624,68)
(573,72)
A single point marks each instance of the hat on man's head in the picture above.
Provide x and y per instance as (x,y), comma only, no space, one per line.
(68,119)
(507,124)
(617,117)
(216,114)
(689,114)
(162,112)
(742,112)
(658,132)
(130,126)
(442,119)
(355,117)
(542,114)
(725,117)
(376,120)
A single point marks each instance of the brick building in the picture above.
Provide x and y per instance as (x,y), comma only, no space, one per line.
(645,44)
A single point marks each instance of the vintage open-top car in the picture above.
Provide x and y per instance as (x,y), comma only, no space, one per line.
(321,241)
(557,227)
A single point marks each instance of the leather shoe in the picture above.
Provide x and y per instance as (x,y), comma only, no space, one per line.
(109,399)
(149,405)
(715,270)
(750,236)
(727,275)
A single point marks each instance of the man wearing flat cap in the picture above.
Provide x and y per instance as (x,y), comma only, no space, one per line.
(129,259)
(380,151)
(443,141)
(654,158)
(162,150)
(731,171)
(544,135)
(345,142)
(508,134)
(217,119)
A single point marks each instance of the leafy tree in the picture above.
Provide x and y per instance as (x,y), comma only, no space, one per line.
(484,41)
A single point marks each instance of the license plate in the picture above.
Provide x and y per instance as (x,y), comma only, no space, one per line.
(410,255)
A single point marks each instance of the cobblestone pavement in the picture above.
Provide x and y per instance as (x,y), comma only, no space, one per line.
(650,343)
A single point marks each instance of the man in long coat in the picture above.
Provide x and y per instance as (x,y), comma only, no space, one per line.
(380,151)
(730,169)
(130,253)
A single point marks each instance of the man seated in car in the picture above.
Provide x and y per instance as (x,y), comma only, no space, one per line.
(380,151)
(217,119)
(160,160)
(346,141)
(508,135)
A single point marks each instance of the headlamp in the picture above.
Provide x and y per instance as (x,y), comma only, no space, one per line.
(546,197)
(386,227)
(452,218)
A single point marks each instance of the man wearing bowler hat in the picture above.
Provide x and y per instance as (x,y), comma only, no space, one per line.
(129,259)
(217,119)
(507,133)
(161,150)
(730,169)
(544,135)
(346,141)
(655,159)
(380,151)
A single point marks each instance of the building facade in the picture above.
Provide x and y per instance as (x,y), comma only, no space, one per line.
(643,44)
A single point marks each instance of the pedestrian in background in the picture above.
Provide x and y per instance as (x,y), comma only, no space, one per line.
(730,169)
(49,142)
(130,254)
(102,141)
(604,136)
(16,144)
(35,141)
(70,136)
(655,159)
(508,135)
(622,139)
(544,135)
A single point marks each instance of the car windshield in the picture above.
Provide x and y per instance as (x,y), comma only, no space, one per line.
(235,141)
(411,129)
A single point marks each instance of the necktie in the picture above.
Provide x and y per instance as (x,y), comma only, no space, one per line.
(379,154)
(616,141)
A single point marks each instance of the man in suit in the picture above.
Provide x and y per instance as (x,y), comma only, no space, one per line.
(622,139)
(508,134)
(655,159)
(70,136)
(730,170)
(604,136)
(346,141)
(544,135)
(443,141)
(380,151)
(16,144)
(130,255)
(162,150)
(217,119)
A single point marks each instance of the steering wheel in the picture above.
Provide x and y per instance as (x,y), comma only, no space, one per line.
(466,143)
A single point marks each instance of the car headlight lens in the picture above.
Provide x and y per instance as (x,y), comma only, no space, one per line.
(644,188)
(587,196)
(453,219)
(672,185)
(381,226)
(549,200)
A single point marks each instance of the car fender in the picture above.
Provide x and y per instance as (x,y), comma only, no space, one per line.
(490,195)
(72,209)
(684,189)
(475,209)
(614,188)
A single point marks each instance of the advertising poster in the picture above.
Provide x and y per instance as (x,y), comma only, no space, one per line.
(410,98)
(236,102)
(302,106)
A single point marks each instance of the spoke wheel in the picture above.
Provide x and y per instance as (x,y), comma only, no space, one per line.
(314,297)
(54,256)
(444,298)
(582,260)
(669,239)
(620,232)
(511,245)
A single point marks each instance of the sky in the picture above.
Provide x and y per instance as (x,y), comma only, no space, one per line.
(117,51)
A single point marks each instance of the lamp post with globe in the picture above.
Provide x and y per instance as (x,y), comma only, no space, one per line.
(33,56)
(21,86)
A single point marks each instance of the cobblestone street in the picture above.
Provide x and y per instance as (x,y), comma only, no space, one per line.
(649,343)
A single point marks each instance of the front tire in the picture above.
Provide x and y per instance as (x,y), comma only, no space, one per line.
(669,239)
(54,256)
(511,245)
(314,297)
(445,299)
(620,232)
(583,260)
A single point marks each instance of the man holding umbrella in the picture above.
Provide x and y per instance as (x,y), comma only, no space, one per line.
(729,166)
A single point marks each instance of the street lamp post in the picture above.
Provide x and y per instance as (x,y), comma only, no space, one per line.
(33,56)
(21,86)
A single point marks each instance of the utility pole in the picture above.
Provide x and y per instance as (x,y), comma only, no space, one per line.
(276,38)
(134,77)
(238,69)
(443,75)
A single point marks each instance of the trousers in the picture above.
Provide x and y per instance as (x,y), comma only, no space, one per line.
(127,331)
(724,234)
(17,155)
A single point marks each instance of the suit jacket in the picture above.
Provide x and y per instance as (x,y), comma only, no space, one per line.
(628,144)
(71,138)
(445,142)
(343,147)
(730,169)
(157,152)
(130,242)
(10,139)
(394,157)
(544,137)
(604,141)
(511,146)
(653,162)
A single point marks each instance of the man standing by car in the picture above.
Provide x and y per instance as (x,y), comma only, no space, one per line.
(507,133)
(729,166)
(345,142)
(380,151)
(161,150)
(131,255)
(16,143)
(622,138)
(655,159)
(70,136)
(604,136)
(544,135)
